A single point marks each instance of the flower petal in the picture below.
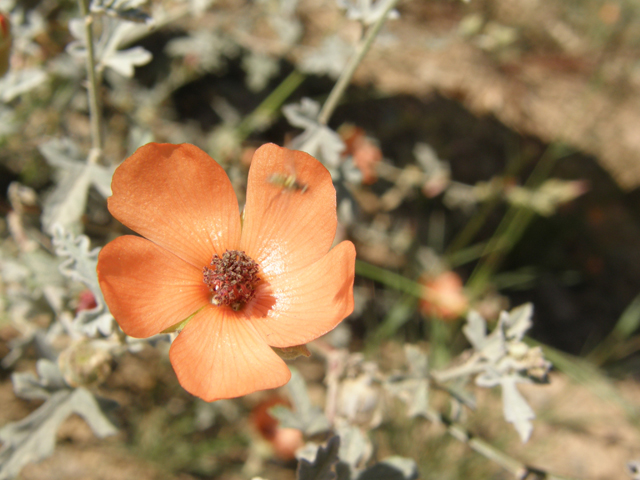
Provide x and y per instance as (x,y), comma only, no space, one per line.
(179,198)
(311,301)
(220,355)
(147,288)
(288,226)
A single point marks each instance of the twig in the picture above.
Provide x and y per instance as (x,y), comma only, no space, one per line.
(95,110)
(345,77)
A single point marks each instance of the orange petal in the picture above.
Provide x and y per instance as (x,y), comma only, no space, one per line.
(220,355)
(147,288)
(288,227)
(178,197)
(311,301)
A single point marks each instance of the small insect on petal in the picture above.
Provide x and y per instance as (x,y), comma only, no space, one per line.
(288,182)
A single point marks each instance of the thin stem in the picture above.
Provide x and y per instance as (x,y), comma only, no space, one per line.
(513,225)
(263,113)
(510,464)
(346,75)
(389,279)
(95,109)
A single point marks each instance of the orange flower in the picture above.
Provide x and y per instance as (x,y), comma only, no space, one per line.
(234,287)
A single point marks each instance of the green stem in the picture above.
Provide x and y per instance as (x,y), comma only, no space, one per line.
(347,73)
(389,279)
(511,228)
(95,109)
(264,112)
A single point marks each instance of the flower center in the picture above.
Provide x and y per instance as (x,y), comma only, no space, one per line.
(232,279)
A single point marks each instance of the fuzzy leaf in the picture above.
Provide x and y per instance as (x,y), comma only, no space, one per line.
(355,447)
(330,59)
(392,468)
(115,33)
(305,417)
(412,388)
(317,140)
(49,380)
(208,48)
(516,408)
(260,69)
(322,468)
(366,11)
(80,265)
(33,438)
(124,61)
(66,204)
(17,82)
(125,9)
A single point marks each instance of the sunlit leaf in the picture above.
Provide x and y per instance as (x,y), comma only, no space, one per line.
(304,416)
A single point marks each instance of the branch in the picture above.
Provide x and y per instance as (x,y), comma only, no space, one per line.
(95,109)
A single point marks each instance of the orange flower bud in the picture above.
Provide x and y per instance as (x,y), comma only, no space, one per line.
(5,43)
(444,296)
(285,441)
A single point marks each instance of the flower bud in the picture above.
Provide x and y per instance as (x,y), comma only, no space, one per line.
(5,43)
(83,364)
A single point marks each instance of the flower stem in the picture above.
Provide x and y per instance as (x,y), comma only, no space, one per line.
(263,114)
(345,77)
(95,110)
(518,469)
(389,279)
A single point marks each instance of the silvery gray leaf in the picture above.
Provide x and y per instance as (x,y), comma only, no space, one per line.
(138,136)
(302,115)
(61,153)
(17,82)
(392,468)
(66,204)
(124,61)
(7,121)
(428,160)
(475,330)
(115,33)
(355,447)
(304,416)
(322,467)
(417,361)
(366,11)
(33,438)
(519,321)
(80,265)
(488,379)
(209,48)
(516,408)
(322,143)
(125,9)
(329,59)
(49,380)
(288,28)
(412,388)
(259,69)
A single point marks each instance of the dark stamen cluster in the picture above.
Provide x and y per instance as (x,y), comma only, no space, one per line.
(232,279)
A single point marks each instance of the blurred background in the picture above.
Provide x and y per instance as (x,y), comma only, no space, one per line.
(488,152)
